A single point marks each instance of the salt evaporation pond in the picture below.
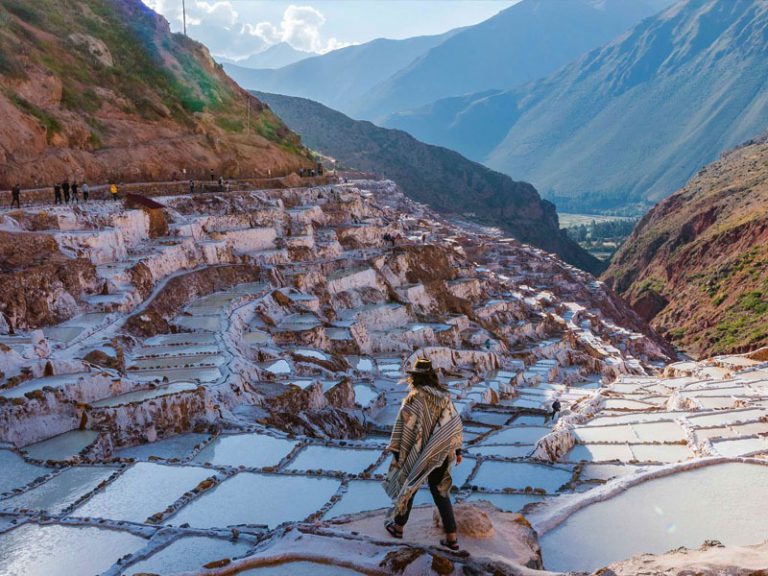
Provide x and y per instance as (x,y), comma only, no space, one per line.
(363,495)
(520,475)
(250,450)
(518,435)
(179,446)
(61,491)
(506,502)
(724,502)
(144,395)
(301,569)
(16,472)
(502,450)
(63,550)
(351,461)
(364,395)
(188,554)
(258,499)
(61,447)
(141,491)
(40,383)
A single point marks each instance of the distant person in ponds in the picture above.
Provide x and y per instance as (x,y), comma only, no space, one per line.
(16,196)
(553,411)
(65,189)
(74,192)
(191,186)
(57,193)
(113,190)
(86,191)
(425,443)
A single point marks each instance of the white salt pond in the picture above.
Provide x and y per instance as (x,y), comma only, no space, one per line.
(258,499)
(502,450)
(188,554)
(506,502)
(301,569)
(724,502)
(144,395)
(517,435)
(61,491)
(363,495)
(141,491)
(61,447)
(39,383)
(17,472)
(348,460)
(519,475)
(364,395)
(179,446)
(63,550)
(250,450)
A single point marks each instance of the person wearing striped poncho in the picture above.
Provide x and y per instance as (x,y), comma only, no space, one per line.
(426,441)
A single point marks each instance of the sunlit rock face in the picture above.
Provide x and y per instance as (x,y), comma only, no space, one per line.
(240,356)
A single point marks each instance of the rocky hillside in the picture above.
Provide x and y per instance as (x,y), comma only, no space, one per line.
(433,175)
(697,264)
(604,130)
(101,89)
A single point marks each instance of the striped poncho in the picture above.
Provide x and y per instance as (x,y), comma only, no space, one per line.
(427,431)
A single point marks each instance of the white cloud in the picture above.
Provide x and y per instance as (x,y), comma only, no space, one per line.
(226,32)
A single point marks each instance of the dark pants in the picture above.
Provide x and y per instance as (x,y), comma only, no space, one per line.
(85,196)
(443,503)
(57,198)
(15,200)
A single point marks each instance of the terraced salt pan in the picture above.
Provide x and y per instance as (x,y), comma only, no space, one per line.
(179,446)
(258,499)
(741,446)
(722,418)
(517,435)
(506,502)
(503,450)
(605,471)
(39,383)
(199,323)
(188,554)
(55,550)
(250,450)
(183,361)
(364,395)
(204,374)
(17,472)
(363,495)
(144,395)
(684,509)
(599,453)
(179,339)
(301,569)
(61,447)
(519,475)
(61,491)
(177,350)
(348,460)
(490,418)
(141,491)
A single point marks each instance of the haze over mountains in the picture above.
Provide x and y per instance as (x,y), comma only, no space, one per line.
(520,44)
(276,56)
(626,123)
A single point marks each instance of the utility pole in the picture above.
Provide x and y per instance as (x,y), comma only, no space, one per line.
(248,121)
(184,15)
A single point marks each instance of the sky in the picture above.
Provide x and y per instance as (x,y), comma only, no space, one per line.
(238,28)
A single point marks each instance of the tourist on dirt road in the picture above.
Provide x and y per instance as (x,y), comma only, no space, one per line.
(65,189)
(86,191)
(113,190)
(57,193)
(191,186)
(426,441)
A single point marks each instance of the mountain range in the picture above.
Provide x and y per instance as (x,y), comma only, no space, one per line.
(521,43)
(276,56)
(627,123)
(101,89)
(696,266)
(433,175)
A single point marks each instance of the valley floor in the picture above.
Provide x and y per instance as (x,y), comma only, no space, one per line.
(212,392)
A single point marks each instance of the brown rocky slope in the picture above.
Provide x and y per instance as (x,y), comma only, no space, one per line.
(101,89)
(697,264)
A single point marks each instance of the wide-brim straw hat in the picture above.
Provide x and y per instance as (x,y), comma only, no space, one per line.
(422,366)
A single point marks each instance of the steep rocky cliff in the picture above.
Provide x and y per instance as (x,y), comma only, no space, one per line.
(697,264)
(101,89)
